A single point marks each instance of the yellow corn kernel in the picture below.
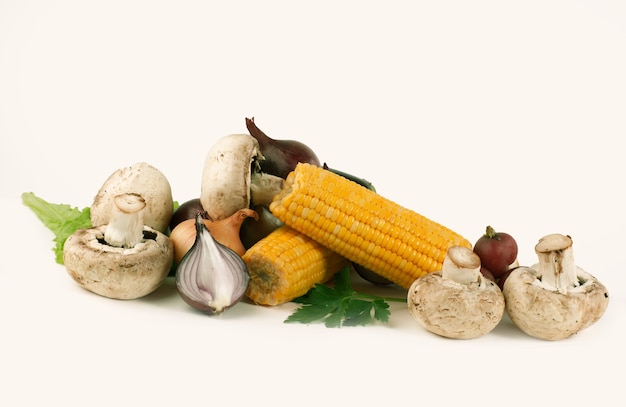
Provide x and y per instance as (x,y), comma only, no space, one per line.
(287,264)
(363,226)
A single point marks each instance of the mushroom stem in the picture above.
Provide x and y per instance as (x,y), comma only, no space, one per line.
(556,263)
(125,227)
(263,187)
(462,266)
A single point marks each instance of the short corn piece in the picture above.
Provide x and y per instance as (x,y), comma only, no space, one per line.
(363,226)
(287,264)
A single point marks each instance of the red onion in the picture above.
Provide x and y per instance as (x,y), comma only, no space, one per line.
(211,277)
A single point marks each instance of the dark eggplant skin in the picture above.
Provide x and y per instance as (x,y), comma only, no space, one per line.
(281,156)
(368,275)
(187,210)
(351,177)
(254,230)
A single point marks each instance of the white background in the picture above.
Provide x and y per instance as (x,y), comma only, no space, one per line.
(472,113)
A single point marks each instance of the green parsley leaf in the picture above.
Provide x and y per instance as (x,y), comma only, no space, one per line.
(342,282)
(358,312)
(61,219)
(381,310)
(340,305)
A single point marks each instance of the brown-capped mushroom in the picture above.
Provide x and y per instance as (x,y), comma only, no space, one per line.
(456,302)
(124,259)
(554,299)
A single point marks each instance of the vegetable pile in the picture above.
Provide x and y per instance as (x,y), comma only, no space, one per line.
(273,224)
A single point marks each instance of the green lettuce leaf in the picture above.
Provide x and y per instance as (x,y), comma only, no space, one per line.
(61,219)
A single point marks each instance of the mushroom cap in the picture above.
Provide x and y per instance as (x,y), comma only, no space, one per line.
(453,310)
(116,272)
(140,179)
(226,175)
(552,315)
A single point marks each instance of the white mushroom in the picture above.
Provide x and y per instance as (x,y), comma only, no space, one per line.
(456,302)
(554,299)
(142,179)
(231,178)
(123,259)
(125,228)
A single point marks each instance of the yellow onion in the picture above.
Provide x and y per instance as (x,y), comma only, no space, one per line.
(225,231)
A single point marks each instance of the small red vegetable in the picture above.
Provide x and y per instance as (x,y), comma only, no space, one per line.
(497,251)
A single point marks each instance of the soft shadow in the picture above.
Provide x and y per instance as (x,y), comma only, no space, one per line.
(165,296)
(507,329)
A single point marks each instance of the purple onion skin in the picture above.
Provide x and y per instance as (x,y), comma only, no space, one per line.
(281,156)
(194,304)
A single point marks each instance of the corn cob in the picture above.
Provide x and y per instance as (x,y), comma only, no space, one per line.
(363,226)
(287,264)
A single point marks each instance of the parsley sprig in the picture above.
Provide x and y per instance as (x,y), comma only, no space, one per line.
(341,305)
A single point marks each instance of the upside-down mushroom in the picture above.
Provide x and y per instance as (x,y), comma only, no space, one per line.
(123,259)
(139,178)
(457,302)
(554,299)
